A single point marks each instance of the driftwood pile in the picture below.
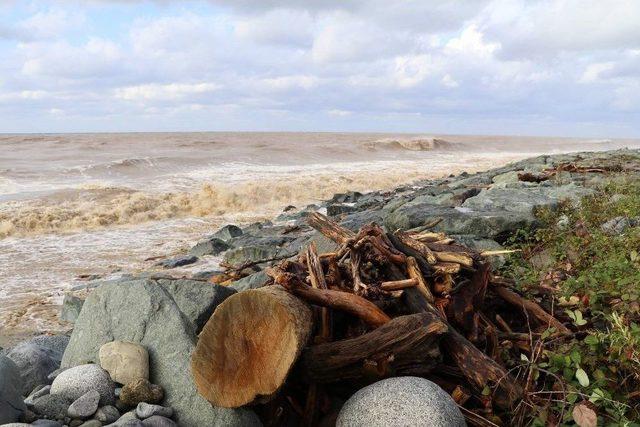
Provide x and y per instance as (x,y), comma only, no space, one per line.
(383,304)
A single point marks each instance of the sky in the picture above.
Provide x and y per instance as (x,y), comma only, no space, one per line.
(507,67)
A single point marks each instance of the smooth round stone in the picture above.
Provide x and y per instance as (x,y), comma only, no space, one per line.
(11,404)
(146,410)
(46,423)
(107,414)
(91,423)
(76,381)
(158,421)
(401,401)
(141,390)
(35,363)
(85,406)
(125,361)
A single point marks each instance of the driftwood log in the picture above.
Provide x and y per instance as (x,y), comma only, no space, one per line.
(249,345)
(406,345)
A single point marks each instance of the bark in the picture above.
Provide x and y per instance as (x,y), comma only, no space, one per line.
(407,345)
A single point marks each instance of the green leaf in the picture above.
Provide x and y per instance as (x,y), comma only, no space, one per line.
(575,356)
(591,340)
(524,357)
(486,391)
(582,377)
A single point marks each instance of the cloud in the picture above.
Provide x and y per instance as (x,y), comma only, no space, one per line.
(327,65)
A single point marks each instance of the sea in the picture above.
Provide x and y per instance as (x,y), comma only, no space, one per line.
(75,207)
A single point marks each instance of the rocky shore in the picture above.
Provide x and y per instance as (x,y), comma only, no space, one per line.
(127,360)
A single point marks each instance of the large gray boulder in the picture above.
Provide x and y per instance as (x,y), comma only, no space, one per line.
(11,405)
(164,316)
(35,363)
(401,401)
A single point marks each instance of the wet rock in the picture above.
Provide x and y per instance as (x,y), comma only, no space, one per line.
(107,414)
(334,210)
(228,232)
(71,306)
(245,254)
(213,246)
(84,406)
(348,197)
(178,261)
(76,381)
(146,410)
(164,316)
(401,401)
(11,405)
(52,406)
(254,281)
(125,361)
(158,421)
(141,390)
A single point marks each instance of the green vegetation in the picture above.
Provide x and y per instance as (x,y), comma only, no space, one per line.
(591,278)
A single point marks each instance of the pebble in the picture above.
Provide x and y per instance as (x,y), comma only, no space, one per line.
(76,381)
(91,423)
(52,406)
(159,421)
(38,392)
(85,406)
(406,401)
(76,423)
(125,361)
(141,390)
(146,410)
(107,414)
(46,423)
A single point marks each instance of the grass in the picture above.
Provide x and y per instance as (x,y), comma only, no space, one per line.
(593,279)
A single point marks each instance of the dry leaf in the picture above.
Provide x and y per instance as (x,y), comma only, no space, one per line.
(584,415)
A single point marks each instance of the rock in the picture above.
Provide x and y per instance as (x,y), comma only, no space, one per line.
(213,246)
(617,225)
(11,405)
(91,423)
(146,410)
(348,197)
(125,361)
(76,423)
(254,281)
(158,421)
(334,210)
(244,254)
(35,363)
(84,406)
(76,381)
(507,177)
(228,232)
(57,343)
(46,423)
(52,406)
(107,414)
(401,401)
(71,306)
(141,390)
(29,416)
(37,392)
(164,316)
(52,376)
(178,261)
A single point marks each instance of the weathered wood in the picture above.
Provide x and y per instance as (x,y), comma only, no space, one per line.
(405,345)
(316,276)
(446,267)
(247,348)
(425,267)
(532,308)
(347,302)
(419,246)
(457,257)
(429,236)
(398,284)
(329,228)
(414,272)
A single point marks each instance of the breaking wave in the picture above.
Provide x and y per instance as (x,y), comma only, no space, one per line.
(412,144)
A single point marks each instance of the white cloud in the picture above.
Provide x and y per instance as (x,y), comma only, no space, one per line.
(164,92)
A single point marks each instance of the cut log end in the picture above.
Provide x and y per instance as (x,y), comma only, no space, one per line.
(249,345)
